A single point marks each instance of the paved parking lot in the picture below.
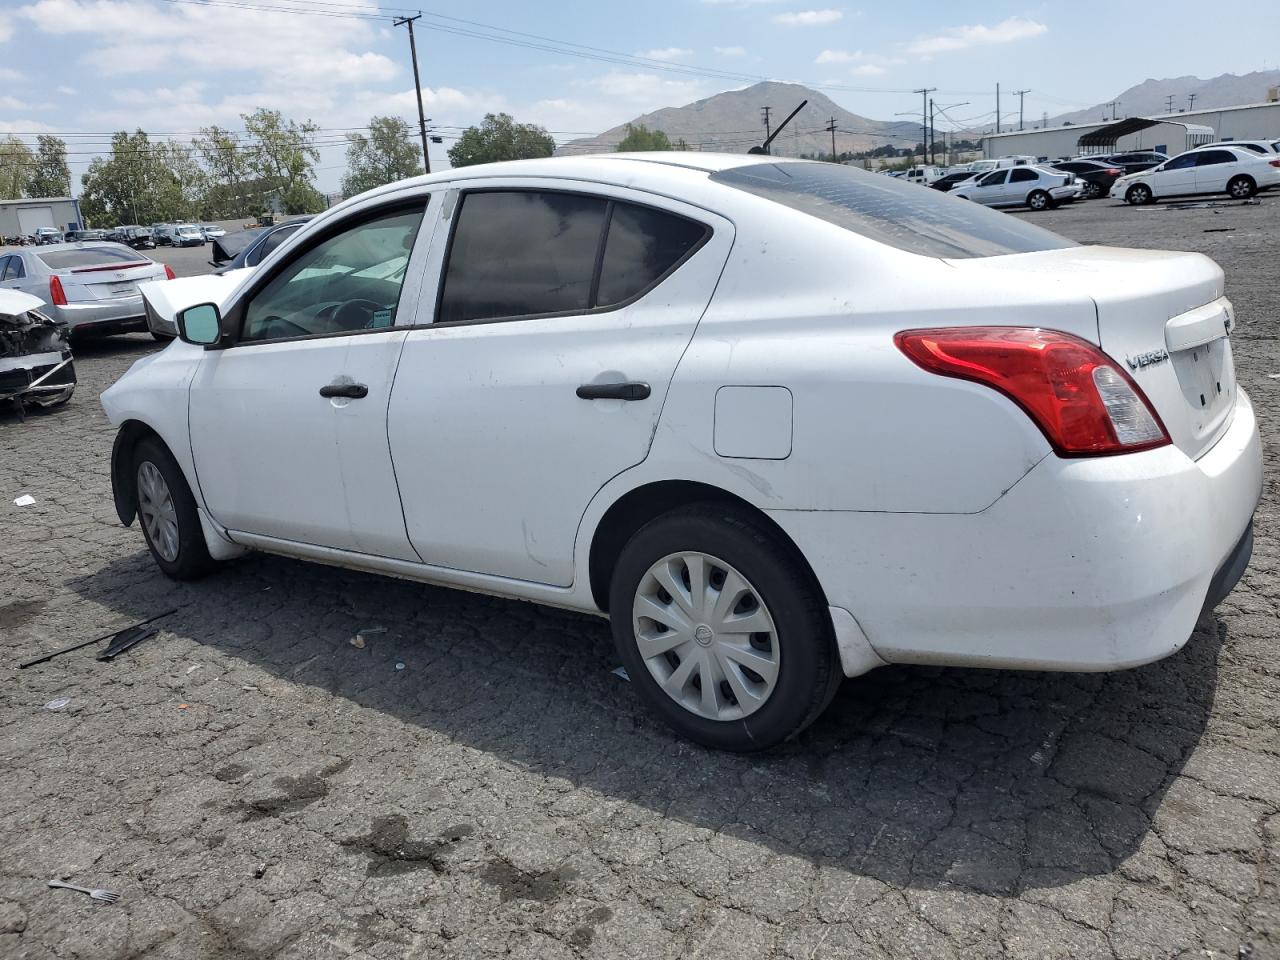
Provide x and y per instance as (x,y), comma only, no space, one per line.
(474,782)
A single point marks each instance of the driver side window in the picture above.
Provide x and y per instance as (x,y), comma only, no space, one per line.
(346,283)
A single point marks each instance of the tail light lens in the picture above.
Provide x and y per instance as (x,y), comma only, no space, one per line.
(1274,163)
(1114,172)
(1083,403)
(56,295)
(168,273)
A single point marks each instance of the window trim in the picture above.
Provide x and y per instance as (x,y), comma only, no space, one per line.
(610,202)
(236,315)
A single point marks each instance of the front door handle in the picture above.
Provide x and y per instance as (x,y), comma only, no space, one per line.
(629,390)
(352,390)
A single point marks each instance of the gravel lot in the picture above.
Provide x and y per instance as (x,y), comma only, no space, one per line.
(256,786)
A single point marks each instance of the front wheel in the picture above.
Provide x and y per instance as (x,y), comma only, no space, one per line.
(1092,191)
(1242,188)
(167,513)
(722,629)
(1038,200)
(1138,195)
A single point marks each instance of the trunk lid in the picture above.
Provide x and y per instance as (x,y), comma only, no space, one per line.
(1161,316)
(90,274)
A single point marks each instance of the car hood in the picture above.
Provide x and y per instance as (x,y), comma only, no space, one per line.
(13,303)
(167,297)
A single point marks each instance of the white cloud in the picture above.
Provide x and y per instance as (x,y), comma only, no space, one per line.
(665,53)
(6,30)
(960,38)
(65,90)
(24,126)
(730,51)
(868,70)
(11,103)
(838,56)
(808,18)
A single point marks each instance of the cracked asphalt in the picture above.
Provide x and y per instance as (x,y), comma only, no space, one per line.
(255,786)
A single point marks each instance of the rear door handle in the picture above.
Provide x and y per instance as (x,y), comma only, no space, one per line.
(352,390)
(629,390)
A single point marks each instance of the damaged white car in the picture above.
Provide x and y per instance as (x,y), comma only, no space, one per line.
(35,358)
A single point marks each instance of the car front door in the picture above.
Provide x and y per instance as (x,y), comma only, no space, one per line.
(1213,169)
(560,317)
(288,422)
(992,189)
(1176,178)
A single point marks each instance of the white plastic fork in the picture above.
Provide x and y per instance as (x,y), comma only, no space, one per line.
(106,896)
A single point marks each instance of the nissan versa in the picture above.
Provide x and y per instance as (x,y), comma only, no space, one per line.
(783,422)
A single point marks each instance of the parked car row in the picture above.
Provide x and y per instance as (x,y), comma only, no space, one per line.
(1236,169)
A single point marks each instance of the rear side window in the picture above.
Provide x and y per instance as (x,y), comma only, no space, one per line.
(642,246)
(90,257)
(522,253)
(1023,174)
(1210,157)
(15,270)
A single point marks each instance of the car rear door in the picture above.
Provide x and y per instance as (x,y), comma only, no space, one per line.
(561,313)
(1214,168)
(1022,181)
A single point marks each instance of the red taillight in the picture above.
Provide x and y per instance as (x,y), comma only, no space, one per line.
(1083,403)
(1115,173)
(168,273)
(55,292)
(1274,163)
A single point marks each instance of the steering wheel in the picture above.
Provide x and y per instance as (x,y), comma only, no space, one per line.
(356,314)
(273,322)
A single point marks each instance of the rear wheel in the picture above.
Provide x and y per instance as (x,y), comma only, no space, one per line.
(1038,200)
(1092,191)
(722,629)
(1242,187)
(1138,194)
(167,513)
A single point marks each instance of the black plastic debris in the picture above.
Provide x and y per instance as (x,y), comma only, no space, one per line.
(116,637)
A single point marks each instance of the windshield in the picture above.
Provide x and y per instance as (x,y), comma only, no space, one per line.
(901,215)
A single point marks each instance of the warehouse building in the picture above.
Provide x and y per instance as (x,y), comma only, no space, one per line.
(1169,133)
(20,218)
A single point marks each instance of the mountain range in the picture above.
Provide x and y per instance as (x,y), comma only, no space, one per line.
(733,121)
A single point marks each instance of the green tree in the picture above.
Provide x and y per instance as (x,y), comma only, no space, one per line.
(499,137)
(640,137)
(386,155)
(141,181)
(15,168)
(282,159)
(50,176)
(228,180)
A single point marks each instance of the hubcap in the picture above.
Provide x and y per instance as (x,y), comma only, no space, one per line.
(706,636)
(158,512)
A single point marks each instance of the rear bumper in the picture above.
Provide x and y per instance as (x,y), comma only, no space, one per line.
(1085,565)
(103,316)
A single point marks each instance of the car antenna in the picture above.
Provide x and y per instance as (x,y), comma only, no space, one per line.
(764,147)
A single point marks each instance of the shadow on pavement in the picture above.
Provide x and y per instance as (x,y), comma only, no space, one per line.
(919,777)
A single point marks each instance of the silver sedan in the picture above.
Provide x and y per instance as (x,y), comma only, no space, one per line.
(91,287)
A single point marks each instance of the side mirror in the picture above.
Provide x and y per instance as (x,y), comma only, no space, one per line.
(201,324)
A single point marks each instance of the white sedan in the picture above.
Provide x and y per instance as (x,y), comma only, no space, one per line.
(782,421)
(1039,188)
(1236,171)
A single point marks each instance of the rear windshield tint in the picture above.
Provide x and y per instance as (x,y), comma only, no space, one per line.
(91,257)
(891,211)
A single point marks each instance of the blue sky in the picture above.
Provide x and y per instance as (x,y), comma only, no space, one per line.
(86,67)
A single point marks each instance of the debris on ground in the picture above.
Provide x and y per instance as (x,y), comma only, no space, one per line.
(621,672)
(126,638)
(25,500)
(193,668)
(106,896)
(358,641)
(113,636)
(399,666)
(57,704)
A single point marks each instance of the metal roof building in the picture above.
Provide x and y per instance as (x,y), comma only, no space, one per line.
(22,217)
(1169,133)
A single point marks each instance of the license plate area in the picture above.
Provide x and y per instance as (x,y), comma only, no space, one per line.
(122,289)
(1205,376)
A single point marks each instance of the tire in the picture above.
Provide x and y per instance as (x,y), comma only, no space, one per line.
(173,532)
(773,589)
(1241,187)
(1092,191)
(1138,195)
(1039,200)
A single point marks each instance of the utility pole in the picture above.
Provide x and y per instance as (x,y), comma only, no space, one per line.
(765,113)
(924,118)
(417,82)
(831,128)
(1021,94)
(1191,101)
(997,108)
(1113,104)
(1168,104)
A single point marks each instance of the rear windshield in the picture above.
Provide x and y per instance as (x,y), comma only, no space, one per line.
(890,211)
(89,257)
